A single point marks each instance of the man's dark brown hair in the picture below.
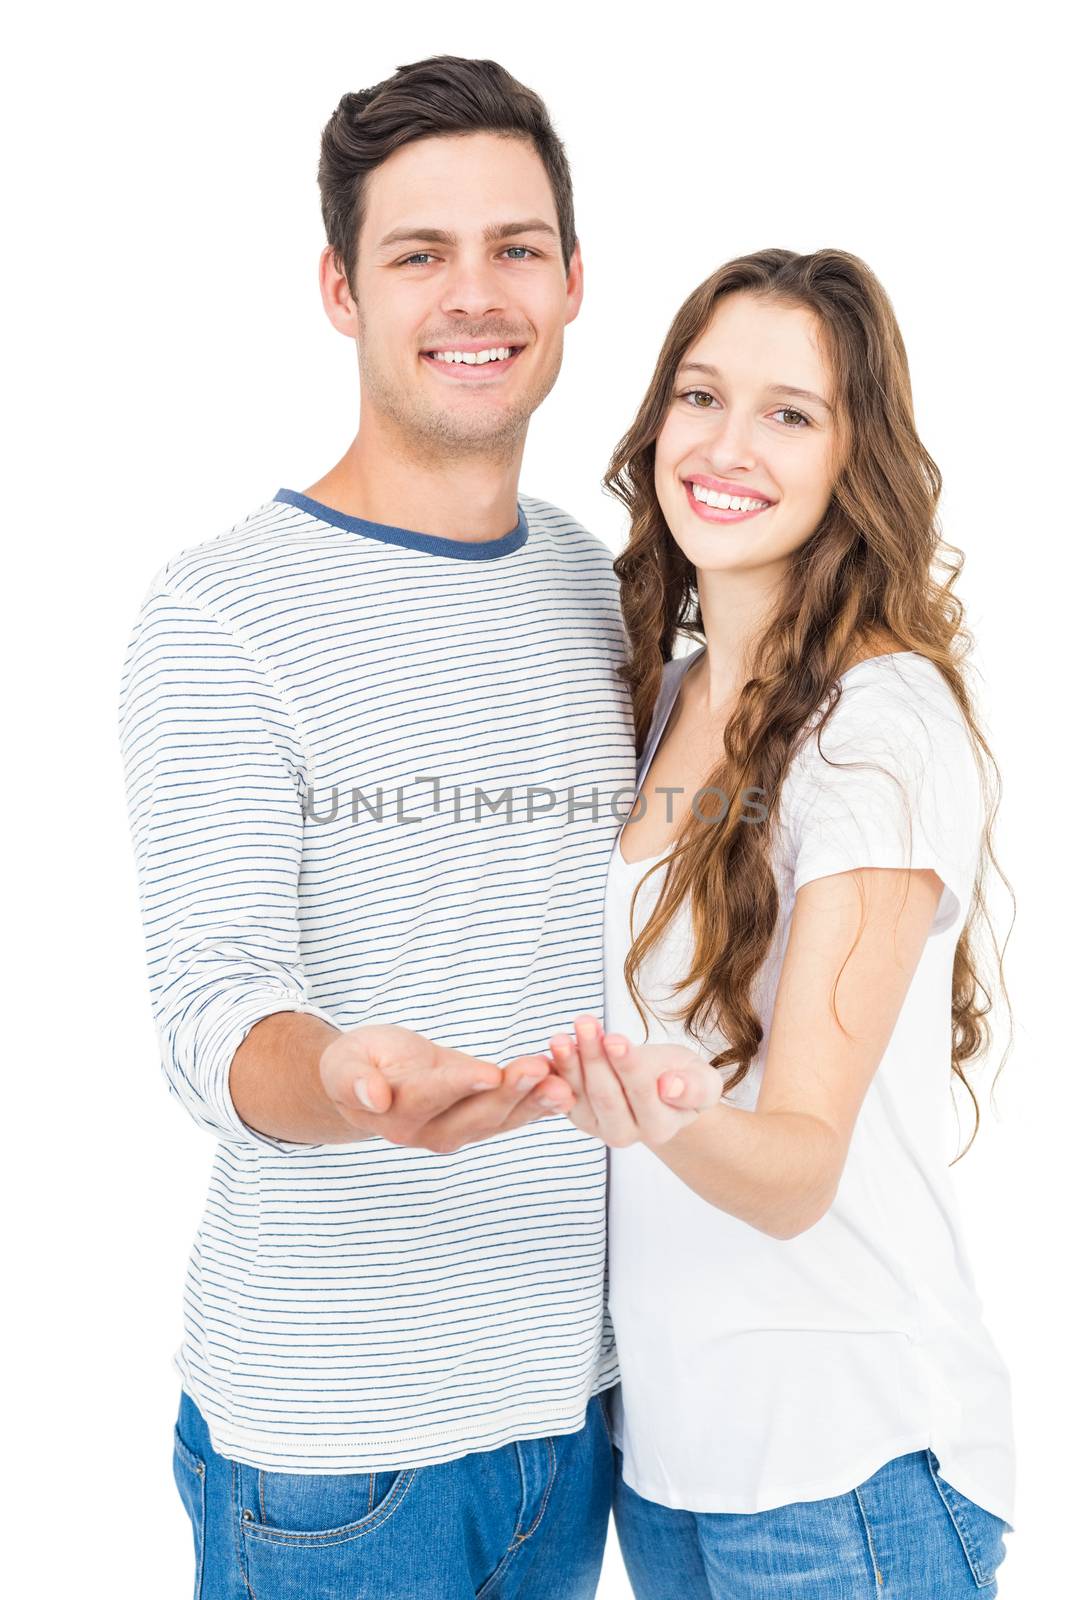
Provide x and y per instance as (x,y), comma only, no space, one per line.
(439,96)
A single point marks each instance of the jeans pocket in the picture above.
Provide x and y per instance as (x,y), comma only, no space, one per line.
(313,1533)
(190,1475)
(320,1507)
(980,1532)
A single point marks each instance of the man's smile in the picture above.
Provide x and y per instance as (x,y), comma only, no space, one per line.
(468,360)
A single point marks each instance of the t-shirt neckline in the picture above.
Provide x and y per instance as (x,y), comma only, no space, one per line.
(429,543)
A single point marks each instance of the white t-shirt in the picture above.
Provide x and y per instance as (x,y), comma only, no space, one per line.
(759,1371)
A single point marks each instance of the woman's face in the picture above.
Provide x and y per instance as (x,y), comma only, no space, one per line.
(750,420)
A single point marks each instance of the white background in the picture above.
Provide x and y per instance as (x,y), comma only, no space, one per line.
(170,367)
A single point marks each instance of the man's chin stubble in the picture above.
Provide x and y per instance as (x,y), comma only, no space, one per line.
(441,436)
(444,434)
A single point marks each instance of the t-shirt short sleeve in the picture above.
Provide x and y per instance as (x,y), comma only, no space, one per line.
(889,781)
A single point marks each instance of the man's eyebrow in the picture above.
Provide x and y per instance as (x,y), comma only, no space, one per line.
(775,388)
(417,234)
(508,230)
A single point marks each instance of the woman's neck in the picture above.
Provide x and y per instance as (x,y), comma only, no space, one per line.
(735,608)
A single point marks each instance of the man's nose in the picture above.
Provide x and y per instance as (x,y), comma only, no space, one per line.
(472,289)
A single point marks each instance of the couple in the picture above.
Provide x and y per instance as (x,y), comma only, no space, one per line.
(418,956)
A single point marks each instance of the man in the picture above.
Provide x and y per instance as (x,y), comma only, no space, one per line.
(375,741)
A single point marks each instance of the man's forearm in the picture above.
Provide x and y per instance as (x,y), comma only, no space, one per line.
(275,1082)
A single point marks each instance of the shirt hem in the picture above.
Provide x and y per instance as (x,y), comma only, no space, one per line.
(838,1483)
(424,1447)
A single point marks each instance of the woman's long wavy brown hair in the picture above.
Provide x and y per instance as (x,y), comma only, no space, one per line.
(875,574)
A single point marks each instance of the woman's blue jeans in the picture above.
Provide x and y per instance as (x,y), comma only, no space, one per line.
(905,1534)
(530,1516)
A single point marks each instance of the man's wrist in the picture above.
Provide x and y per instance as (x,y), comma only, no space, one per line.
(276,1085)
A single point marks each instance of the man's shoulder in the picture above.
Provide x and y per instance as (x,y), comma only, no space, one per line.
(561,529)
(239,559)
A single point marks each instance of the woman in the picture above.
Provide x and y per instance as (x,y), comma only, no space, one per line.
(810,1404)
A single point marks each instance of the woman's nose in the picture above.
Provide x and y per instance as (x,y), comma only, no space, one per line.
(731,444)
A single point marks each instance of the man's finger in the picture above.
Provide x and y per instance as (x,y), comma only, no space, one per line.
(527,1092)
(553,1098)
(428,1094)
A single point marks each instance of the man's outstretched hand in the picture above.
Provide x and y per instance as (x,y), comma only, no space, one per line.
(397,1085)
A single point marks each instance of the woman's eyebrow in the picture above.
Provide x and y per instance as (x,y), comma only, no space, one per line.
(800,394)
(773,388)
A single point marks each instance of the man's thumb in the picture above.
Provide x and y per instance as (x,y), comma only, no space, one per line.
(372,1090)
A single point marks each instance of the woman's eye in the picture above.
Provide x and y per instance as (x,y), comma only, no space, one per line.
(698,398)
(795,419)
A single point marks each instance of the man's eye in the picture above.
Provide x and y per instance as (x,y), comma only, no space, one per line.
(417,255)
(523,247)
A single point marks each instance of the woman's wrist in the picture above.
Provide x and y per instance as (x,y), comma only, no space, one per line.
(777,1171)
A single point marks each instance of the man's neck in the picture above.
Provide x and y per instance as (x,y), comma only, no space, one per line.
(472,497)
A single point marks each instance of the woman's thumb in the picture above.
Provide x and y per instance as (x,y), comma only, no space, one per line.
(682,1089)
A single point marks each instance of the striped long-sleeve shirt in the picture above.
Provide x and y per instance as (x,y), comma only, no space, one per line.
(376,775)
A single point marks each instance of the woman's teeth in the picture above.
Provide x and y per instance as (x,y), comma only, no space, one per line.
(726,502)
(473,358)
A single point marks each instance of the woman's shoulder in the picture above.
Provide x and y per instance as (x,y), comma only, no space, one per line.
(903,672)
(897,696)
(895,720)
(890,779)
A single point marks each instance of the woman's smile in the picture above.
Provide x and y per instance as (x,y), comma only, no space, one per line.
(715,500)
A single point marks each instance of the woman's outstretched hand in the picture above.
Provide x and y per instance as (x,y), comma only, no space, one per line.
(626,1093)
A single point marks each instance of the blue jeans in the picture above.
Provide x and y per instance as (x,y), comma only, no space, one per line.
(904,1534)
(532,1515)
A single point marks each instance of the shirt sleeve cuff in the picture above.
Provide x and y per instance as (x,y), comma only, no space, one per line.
(233,1025)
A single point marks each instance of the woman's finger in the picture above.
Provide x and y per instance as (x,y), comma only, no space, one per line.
(567,1066)
(602,1087)
(565,1061)
(639,1074)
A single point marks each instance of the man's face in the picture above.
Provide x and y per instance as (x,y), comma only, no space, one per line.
(459,253)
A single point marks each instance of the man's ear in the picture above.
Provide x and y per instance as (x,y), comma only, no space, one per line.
(338,301)
(575,283)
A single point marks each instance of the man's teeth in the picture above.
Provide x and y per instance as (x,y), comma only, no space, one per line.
(726,502)
(474,358)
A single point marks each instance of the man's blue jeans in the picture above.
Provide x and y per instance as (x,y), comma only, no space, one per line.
(529,1516)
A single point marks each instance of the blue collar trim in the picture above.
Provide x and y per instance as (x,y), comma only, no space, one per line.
(430,543)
